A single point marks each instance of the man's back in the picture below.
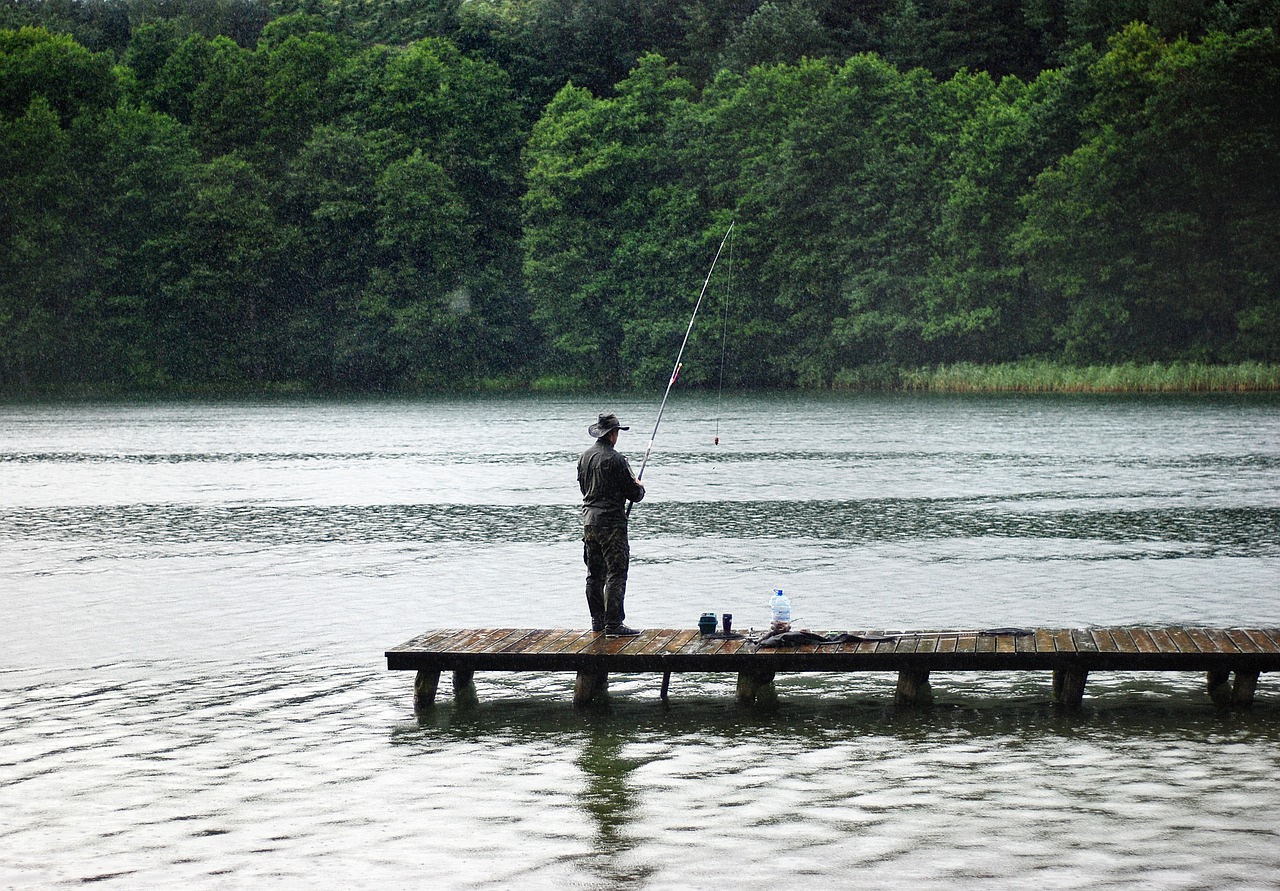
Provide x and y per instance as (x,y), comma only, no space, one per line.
(605,479)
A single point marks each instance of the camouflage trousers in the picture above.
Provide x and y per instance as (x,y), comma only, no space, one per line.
(607,554)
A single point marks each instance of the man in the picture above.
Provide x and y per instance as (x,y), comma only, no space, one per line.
(607,484)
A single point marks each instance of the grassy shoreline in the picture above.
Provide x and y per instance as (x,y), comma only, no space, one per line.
(960,378)
(1034,376)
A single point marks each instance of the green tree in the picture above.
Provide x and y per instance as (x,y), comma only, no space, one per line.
(978,304)
(734,152)
(72,80)
(228,102)
(415,300)
(604,214)
(296,62)
(1158,232)
(140,182)
(37,187)
(224,313)
(328,198)
(787,31)
(53,93)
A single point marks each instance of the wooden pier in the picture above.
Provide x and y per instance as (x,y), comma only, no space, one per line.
(1231,658)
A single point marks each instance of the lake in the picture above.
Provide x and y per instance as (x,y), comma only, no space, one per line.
(198,594)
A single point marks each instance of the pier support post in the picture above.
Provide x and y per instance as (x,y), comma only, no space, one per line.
(1225,693)
(1245,685)
(464,689)
(591,686)
(666,684)
(913,688)
(1068,686)
(425,686)
(756,688)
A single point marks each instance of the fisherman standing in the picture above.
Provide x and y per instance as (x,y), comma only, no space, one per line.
(607,484)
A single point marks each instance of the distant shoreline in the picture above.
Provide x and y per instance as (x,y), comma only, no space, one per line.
(1028,377)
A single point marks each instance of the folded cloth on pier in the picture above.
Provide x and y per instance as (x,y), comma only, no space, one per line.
(806,638)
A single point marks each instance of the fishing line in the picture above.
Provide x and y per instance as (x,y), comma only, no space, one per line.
(675,372)
(724,339)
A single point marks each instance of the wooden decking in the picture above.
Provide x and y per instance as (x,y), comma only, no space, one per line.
(1232,658)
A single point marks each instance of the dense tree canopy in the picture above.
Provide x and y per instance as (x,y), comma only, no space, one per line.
(335,193)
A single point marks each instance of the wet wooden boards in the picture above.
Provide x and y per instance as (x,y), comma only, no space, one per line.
(1232,658)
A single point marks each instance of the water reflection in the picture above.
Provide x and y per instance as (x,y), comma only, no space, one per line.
(610,799)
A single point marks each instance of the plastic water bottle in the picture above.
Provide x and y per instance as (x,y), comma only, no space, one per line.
(780,605)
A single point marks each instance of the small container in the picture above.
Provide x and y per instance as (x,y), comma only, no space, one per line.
(707,624)
(726,622)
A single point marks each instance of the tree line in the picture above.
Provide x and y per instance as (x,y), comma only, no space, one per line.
(339,194)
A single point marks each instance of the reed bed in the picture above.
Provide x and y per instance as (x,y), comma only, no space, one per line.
(1052,377)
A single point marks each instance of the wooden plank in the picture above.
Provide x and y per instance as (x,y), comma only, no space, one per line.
(1006,643)
(1062,641)
(1272,635)
(1221,641)
(1142,639)
(536,646)
(679,642)
(693,645)
(566,640)
(967,643)
(657,642)
(548,638)
(521,643)
(1083,640)
(1262,640)
(588,641)
(1124,640)
(449,641)
(510,636)
(616,645)
(1044,640)
(1203,642)
(471,642)
(1242,641)
(430,639)
(948,644)
(1182,640)
(638,642)
(1103,641)
(1164,643)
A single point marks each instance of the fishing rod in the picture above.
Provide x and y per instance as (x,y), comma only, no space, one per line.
(675,372)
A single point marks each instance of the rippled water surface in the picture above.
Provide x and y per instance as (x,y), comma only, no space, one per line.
(197,597)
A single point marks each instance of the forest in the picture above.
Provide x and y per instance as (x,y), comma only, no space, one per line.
(368,195)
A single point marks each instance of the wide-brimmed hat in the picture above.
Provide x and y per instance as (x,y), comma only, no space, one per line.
(607,424)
